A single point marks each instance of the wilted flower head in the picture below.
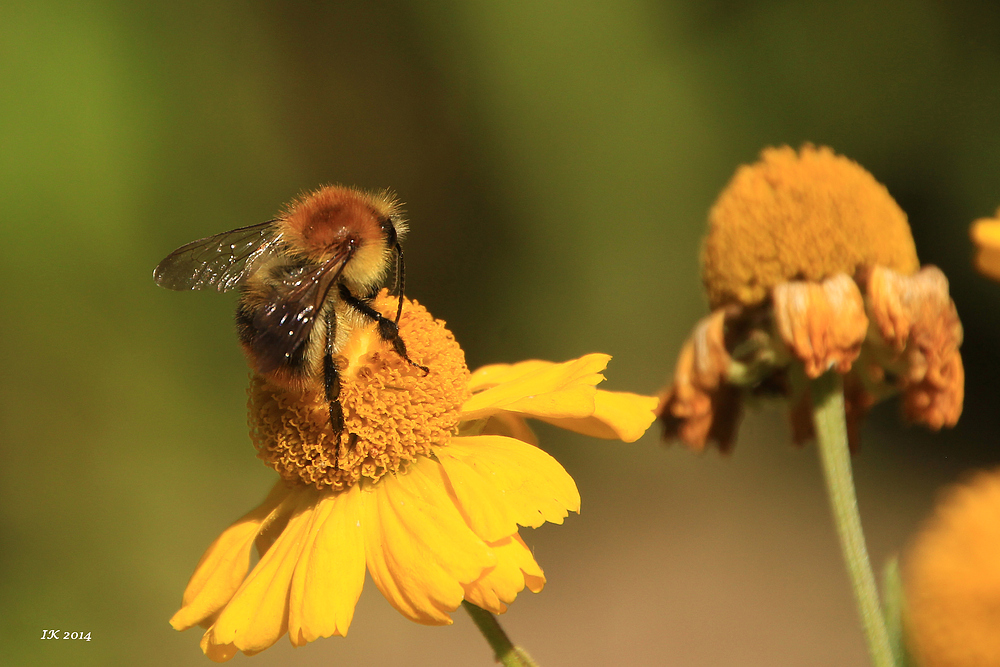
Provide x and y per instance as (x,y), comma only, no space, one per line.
(809,263)
(425,488)
(952,579)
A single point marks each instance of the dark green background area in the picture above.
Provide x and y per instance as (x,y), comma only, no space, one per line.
(557,160)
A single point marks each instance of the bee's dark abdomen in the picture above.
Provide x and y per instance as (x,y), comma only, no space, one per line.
(272,356)
(270,349)
(244,325)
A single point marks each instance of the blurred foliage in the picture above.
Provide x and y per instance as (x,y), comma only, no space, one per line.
(557,160)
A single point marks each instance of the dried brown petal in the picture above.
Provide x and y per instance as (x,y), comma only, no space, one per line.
(857,402)
(824,324)
(917,319)
(699,406)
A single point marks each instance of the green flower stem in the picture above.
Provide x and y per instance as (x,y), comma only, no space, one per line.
(831,437)
(893,606)
(507,654)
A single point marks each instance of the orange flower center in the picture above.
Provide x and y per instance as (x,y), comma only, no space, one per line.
(805,215)
(392,411)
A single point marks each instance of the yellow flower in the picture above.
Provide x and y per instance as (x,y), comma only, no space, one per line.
(425,488)
(952,579)
(986,235)
(809,263)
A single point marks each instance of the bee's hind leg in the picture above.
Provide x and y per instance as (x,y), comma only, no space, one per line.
(387,329)
(331,376)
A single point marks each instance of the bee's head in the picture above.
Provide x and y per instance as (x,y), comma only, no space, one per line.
(330,220)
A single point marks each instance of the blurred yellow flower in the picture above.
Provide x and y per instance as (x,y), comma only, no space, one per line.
(986,235)
(952,579)
(426,488)
(808,259)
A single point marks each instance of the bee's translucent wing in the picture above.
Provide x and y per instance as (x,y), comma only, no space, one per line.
(222,261)
(284,323)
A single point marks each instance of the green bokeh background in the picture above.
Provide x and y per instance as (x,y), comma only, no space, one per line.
(557,160)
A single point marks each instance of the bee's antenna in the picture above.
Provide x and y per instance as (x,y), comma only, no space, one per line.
(399,280)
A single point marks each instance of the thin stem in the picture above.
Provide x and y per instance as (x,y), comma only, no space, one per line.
(893,604)
(506,653)
(831,436)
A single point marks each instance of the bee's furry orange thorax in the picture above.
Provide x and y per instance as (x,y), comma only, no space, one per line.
(326,219)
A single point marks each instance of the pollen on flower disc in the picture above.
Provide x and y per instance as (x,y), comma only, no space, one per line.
(803,215)
(393,412)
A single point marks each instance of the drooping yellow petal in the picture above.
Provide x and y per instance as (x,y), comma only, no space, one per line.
(563,390)
(331,570)
(515,568)
(618,415)
(224,565)
(418,547)
(257,616)
(501,483)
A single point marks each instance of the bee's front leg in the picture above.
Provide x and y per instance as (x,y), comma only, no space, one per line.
(387,329)
(331,376)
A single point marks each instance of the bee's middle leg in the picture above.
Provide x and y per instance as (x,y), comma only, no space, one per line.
(331,376)
(387,329)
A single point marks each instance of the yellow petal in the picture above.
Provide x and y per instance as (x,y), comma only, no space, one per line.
(501,483)
(500,585)
(985,232)
(494,374)
(217,652)
(987,262)
(418,547)
(618,415)
(222,569)
(543,390)
(331,570)
(257,616)
(986,235)
(511,425)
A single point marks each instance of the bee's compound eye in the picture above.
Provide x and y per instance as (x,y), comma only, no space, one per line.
(389,229)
